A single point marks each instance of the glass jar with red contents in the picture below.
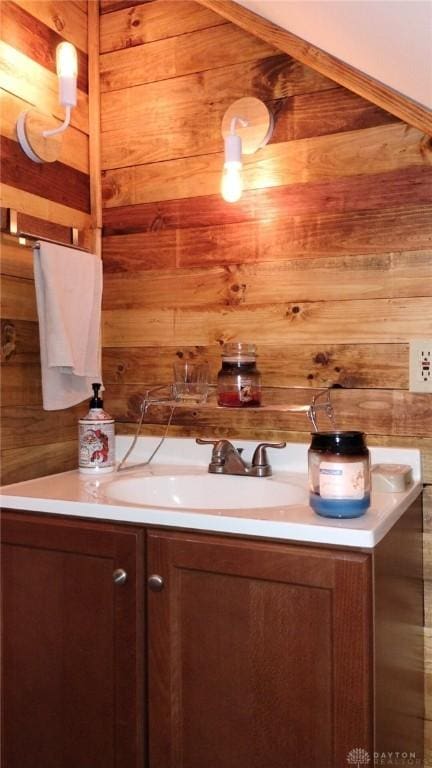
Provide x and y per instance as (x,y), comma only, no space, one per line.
(239,381)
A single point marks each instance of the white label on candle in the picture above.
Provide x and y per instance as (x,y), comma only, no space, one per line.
(341,480)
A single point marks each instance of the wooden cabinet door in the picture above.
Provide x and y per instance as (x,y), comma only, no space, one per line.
(259,654)
(72,644)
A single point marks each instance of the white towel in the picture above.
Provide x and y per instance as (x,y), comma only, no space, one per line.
(68,295)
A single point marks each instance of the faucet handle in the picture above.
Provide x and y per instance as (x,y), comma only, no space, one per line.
(201,441)
(259,458)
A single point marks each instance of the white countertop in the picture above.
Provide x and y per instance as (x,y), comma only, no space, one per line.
(75,494)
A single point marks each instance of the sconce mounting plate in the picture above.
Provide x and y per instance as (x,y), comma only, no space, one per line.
(260,123)
(39,148)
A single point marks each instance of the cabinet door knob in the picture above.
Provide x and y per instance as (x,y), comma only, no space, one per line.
(156,583)
(119,576)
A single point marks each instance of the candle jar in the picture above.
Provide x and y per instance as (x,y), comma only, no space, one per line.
(339,474)
(239,381)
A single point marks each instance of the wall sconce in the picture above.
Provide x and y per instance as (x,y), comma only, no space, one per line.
(247,125)
(36,137)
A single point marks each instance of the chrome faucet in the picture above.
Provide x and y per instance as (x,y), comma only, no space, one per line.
(227,460)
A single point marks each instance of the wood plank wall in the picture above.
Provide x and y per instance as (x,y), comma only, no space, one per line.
(325,262)
(51,198)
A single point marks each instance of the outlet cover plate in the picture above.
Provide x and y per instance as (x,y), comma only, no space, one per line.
(420,365)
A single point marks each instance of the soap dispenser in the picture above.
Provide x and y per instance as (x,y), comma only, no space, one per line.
(96,438)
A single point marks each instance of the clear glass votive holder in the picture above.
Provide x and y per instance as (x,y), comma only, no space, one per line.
(191,381)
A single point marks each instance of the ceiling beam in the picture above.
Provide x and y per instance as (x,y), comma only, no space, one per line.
(385,97)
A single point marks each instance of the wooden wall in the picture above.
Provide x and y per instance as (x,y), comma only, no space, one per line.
(50,198)
(325,262)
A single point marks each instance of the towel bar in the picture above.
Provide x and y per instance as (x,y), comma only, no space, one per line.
(12,228)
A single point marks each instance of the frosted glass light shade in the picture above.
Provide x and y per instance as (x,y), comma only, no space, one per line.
(67,68)
(232,184)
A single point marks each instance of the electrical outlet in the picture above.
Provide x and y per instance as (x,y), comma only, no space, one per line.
(420,365)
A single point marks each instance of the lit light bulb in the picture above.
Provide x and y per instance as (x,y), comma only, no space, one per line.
(67,68)
(232,184)
(66,60)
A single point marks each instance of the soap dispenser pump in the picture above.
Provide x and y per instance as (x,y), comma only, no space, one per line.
(96,438)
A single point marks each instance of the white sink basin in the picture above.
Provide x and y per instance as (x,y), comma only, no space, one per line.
(206,492)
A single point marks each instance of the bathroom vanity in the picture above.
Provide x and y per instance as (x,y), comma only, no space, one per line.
(225,637)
